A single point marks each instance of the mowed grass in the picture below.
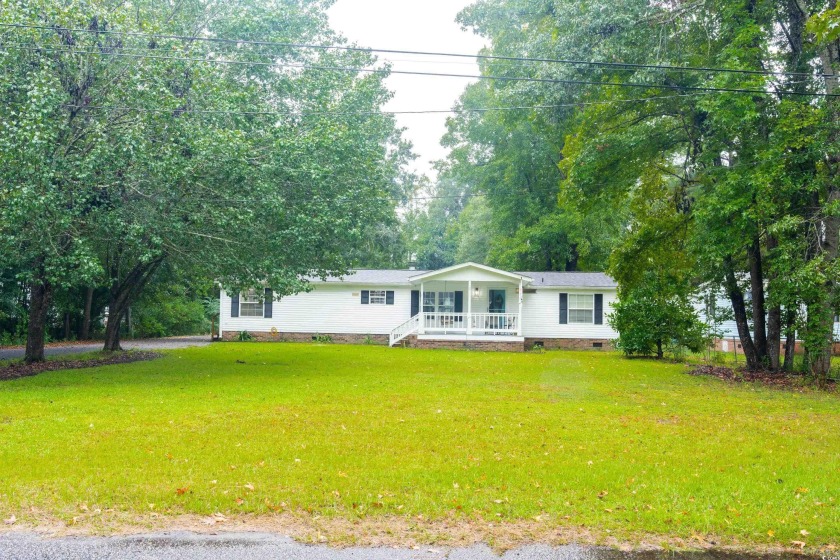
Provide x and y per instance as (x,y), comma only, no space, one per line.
(574,439)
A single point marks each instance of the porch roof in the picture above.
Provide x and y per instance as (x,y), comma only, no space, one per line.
(471,271)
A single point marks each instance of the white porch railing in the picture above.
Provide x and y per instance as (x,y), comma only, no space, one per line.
(494,323)
(444,322)
(458,323)
(407,328)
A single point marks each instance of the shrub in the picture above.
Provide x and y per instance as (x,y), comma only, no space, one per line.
(656,316)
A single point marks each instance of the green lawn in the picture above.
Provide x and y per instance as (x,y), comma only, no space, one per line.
(573,439)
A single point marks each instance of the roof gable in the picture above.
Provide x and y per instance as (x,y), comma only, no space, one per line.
(467,271)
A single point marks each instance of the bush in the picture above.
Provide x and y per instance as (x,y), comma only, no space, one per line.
(657,316)
(170,310)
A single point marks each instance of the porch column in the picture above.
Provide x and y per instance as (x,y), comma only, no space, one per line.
(519,322)
(422,329)
(469,307)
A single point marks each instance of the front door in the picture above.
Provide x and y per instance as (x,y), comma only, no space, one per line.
(497,301)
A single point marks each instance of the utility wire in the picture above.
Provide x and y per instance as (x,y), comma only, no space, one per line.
(674,87)
(462,110)
(418,53)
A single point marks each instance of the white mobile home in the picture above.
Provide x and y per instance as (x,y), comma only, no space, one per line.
(467,305)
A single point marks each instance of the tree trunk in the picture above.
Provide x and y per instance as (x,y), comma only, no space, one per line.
(818,352)
(84,331)
(121,296)
(819,357)
(112,329)
(757,289)
(790,339)
(659,352)
(66,325)
(574,257)
(736,296)
(774,319)
(40,297)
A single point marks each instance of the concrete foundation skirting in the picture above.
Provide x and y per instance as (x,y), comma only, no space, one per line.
(337,338)
(466,344)
(569,343)
(502,344)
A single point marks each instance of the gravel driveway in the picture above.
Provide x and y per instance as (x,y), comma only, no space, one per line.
(10,353)
(258,546)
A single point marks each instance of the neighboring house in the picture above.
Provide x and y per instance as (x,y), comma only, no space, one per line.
(715,310)
(467,305)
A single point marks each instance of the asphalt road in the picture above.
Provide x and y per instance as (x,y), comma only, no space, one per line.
(259,546)
(146,344)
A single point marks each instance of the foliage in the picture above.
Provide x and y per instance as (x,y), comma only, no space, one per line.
(657,316)
(322,339)
(737,190)
(244,336)
(169,311)
(327,429)
(120,152)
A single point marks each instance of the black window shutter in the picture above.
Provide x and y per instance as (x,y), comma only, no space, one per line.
(234,305)
(599,309)
(268,304)
(415,302)
(564,309)
(459,302)
(365,297)
(389,297)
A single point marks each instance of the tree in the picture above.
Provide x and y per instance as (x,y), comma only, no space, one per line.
(656,316)
(127,149)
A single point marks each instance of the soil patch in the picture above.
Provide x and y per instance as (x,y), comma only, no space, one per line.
(405,532)
(781,380)
(20,369)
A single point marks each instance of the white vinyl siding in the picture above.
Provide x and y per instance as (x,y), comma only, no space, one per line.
(250,305)
(328,309)
(582,308)
(540,312)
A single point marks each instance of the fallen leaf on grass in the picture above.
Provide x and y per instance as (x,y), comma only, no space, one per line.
(182,491)
(800,544)
(249,486)
(804,533)
(11,521)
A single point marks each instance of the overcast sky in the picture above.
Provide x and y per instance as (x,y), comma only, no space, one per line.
(427,25)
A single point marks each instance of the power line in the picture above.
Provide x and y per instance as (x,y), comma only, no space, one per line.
(673,87)
(181,110)
(625,65)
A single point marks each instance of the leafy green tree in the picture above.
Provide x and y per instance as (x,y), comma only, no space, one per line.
(123,150)
(656,316)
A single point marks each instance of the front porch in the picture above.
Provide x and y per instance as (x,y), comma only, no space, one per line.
(470,301)
(487,324)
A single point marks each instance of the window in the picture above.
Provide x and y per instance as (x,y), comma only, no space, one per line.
(377,297)
(250,305)
(428,302)
(581,308)
(446,302)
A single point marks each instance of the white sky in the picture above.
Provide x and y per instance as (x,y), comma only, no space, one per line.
(427,25)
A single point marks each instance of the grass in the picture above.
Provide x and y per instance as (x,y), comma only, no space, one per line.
(569,439)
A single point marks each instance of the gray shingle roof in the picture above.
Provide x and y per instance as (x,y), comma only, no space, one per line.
(541,279)
(570,279)
(374,277)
